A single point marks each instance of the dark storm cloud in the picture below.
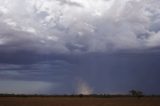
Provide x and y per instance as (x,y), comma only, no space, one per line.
(99,72)
(36,72)
(70,46)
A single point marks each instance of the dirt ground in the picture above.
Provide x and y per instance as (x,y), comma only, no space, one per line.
(77,101)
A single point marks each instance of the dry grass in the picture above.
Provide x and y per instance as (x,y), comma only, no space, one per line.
(75,101)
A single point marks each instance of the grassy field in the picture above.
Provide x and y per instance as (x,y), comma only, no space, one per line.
(77,101)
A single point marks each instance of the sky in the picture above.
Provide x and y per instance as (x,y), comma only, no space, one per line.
(79,46)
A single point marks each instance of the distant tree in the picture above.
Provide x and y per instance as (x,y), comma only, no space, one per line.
(136,93)
(133,92)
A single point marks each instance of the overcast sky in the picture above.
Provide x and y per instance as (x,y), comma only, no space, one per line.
(79,46)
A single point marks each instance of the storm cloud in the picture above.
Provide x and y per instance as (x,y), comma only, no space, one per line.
(79,46)
(71,26)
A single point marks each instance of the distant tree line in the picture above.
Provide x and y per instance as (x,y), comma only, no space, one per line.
(132,93)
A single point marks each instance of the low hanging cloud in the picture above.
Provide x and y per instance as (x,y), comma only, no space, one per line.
(71,26)
(25,87)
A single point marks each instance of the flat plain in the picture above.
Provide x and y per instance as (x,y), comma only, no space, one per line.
(79,101)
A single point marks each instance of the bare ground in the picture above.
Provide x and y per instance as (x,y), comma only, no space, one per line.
(77,101)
